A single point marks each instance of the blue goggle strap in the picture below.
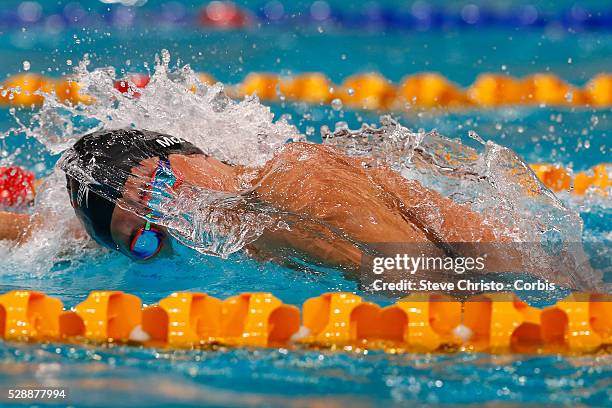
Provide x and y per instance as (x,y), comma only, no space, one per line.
(161,189)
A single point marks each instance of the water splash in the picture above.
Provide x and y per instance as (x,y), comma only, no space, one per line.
(492,180)
(175,102)
(58,235)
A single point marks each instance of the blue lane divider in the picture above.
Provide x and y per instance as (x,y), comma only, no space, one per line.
(419,15)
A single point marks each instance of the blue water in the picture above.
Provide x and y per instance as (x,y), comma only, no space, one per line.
(104,376)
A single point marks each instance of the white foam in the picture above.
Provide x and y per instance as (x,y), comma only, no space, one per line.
(138,334)
(463,332)
(174,102)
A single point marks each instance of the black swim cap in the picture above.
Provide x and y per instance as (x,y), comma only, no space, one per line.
(99,164)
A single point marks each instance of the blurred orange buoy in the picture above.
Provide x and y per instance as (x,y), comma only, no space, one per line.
(431,90)
(67,90)
(264,85)
(490,90)
(311,87)
(22,89)
(602,177)
(367,91)
(554,177)
(582,182)
(549,89)
(599,90)
(206,78)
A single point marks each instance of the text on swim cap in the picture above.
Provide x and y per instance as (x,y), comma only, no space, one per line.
(168,141)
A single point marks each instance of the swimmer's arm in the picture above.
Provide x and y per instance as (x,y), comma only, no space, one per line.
(19,227)
(308,241)
(14,226)
(453,222)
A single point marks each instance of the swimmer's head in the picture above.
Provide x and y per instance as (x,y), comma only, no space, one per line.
(98,168)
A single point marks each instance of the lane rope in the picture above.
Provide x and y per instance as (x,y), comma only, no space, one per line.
(374,16)
(557,178)
(367,91)
(421,322)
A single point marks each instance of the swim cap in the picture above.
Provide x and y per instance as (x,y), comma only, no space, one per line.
(98,166)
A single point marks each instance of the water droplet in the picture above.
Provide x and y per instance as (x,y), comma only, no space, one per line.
(569,60)
(341,125)
(350,91)
(504,67)
(26,65)
(165,57)
(476,136)
(69,62)
(336,104)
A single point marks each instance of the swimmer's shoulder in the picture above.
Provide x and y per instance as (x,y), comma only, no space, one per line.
(303,151)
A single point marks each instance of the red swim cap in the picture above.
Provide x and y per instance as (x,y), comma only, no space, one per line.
(16,186)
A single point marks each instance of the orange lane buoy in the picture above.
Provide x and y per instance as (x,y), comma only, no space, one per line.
(598,178)
(206,79)
(369,91)
(311,88)
(502,322)
(549,89)
(265,86)
(599,90)
(183,319)
(257,319)
(554,177)
(491,90)
(430,90)
(68,90)
(340,319)
(25,90)
(424,321)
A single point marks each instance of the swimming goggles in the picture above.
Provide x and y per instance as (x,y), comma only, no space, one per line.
(148,240)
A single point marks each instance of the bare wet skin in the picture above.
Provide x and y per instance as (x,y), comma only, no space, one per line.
(341,202)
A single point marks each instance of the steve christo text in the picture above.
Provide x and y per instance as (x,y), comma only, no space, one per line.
(397,266)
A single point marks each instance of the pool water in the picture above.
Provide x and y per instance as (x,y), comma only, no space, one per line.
(116,375)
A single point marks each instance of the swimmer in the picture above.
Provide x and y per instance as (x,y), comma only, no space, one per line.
(343,204)
(363,203)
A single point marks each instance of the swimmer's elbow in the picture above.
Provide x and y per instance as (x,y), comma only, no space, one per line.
(14,227)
